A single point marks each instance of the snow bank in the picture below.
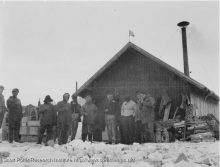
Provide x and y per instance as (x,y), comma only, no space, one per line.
(86,154)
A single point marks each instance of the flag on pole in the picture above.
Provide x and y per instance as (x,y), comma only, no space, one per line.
(131,33)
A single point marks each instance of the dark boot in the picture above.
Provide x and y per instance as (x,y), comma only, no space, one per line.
(65,138)
(49,132)
(16,135)
(72,138)
(49,136)
(40,137)
(84,136)
(90,137)
(10,135)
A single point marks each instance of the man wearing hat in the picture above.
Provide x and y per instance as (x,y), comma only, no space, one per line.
(48,119)
(14,116)
(89,112)
(63,119)
(3,108)
(75,109)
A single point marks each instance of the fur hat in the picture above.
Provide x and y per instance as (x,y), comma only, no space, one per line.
(48,98)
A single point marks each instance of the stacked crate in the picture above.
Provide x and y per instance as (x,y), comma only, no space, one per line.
(202,130)
(29,130)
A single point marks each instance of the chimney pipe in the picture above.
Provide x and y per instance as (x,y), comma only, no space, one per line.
(183,26)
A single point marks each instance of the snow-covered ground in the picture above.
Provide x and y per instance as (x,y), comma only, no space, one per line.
(79,154)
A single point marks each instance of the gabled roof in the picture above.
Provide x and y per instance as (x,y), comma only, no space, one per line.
(150,56)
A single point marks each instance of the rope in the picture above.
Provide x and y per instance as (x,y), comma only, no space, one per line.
(200,60)
(168,43)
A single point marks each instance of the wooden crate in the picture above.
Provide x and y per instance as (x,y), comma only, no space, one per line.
(24,119)
(33,130)
(31,138)
(24,124)
(23,130)
(29,130)
(33,123)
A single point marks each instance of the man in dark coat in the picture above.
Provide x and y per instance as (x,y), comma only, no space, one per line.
(75,110)
(137,124)
(147,118)
(111,110)
(14,116)
(63,119)
(48,119)
(89,112)
(3,108)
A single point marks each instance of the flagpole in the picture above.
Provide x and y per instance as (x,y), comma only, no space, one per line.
(128,36)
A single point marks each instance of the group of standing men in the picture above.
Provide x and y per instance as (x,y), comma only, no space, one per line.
(65,117)
(134,122)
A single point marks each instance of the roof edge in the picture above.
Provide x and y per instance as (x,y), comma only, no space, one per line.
(177,72)
(142,51)
(103,68)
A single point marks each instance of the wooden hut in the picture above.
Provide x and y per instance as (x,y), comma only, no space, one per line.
(132,69)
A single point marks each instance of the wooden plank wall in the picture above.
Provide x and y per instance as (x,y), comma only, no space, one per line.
(134,71)
(204,106)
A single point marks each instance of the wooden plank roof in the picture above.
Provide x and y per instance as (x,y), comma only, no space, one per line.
(150,56)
